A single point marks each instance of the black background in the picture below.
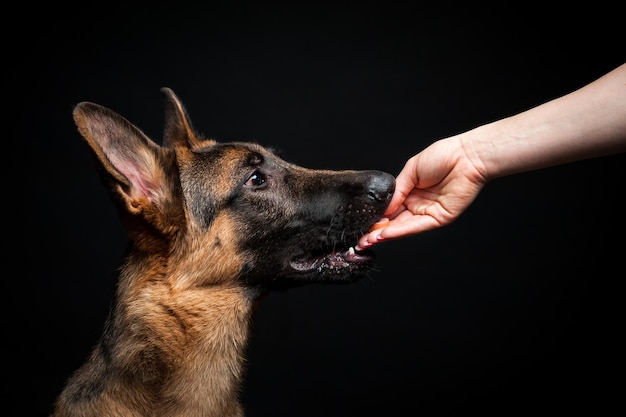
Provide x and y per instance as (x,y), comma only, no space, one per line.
(514,309)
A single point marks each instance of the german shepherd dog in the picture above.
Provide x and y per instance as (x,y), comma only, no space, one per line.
(213,227)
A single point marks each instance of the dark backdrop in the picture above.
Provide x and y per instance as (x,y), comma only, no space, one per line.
(514,308)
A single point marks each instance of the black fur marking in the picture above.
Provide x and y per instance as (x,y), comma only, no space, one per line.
(172,313)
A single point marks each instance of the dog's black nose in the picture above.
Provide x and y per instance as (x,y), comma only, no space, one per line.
(381,186)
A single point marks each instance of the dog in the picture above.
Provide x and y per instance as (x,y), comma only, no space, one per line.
(214,227)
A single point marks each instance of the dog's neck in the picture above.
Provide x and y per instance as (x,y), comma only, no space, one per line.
(204,332)
(208,340)
(190,365)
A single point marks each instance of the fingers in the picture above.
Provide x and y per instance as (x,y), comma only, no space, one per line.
(373,234)
(405,224)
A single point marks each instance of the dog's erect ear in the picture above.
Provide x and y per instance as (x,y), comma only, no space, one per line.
(138,166)
(178,128)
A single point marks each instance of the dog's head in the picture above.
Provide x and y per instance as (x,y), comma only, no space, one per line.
(200,212)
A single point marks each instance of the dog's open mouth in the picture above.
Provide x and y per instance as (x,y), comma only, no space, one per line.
(338,260)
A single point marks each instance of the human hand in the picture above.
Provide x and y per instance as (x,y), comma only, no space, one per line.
(432,190)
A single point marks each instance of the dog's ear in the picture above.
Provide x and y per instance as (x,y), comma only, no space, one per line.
(138,168)
(178,128)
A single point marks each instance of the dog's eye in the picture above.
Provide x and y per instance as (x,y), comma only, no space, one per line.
(257,179)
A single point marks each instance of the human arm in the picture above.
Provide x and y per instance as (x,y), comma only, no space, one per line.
(439,183)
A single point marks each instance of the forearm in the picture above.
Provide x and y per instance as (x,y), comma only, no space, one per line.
(586,123)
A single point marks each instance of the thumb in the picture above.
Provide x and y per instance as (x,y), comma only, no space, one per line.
(397,200)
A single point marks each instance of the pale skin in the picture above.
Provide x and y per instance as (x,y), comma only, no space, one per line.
(440,182)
